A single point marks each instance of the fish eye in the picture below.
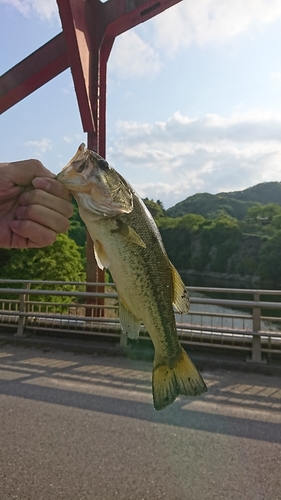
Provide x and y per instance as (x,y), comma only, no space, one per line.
(103,164)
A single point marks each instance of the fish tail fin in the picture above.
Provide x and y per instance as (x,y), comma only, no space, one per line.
(169,382)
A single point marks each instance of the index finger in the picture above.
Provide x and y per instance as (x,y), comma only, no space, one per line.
(23,172)
(52,186)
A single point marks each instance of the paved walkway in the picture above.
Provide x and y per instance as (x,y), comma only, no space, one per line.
(83,427)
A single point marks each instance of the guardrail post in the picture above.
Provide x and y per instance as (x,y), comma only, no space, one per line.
(123,340)
(256,342)
(22,309)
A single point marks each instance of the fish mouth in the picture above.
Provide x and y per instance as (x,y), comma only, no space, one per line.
(100,188)
(75,175)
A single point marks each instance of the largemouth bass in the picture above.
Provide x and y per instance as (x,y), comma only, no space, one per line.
(128,243)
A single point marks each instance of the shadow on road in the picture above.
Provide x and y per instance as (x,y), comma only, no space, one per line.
(237,404)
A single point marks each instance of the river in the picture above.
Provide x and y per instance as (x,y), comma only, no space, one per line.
(224,317)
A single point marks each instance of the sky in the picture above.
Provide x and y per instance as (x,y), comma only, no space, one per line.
(193,97)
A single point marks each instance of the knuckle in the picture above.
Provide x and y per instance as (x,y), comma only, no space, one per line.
(37,163)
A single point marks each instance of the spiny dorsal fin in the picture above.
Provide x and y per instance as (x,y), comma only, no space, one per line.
(180,297)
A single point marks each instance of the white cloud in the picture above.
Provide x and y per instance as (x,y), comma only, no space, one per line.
(67,139)
(76,138)
(45,9)
(200,22)
(183,156)
(131,57)
(40,147)
(211,21)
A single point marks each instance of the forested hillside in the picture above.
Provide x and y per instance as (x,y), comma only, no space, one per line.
(235,203)
(234,234)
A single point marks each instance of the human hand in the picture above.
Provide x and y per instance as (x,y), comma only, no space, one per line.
(34,207)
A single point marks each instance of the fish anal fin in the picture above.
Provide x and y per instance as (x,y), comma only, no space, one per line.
(100,255)
(180,296)
(169,382)
(128,232)
(129,323)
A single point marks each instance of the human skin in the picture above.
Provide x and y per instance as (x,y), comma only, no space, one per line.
(34,206)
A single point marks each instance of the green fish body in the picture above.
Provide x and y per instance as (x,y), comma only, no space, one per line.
(128,243)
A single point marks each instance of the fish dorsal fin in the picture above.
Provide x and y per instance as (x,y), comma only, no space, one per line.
(100,255)
(129,323)
(180,297)
(128,232)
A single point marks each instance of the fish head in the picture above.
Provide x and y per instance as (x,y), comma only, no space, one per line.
(95,184)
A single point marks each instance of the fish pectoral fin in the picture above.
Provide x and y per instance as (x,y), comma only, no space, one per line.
(100,255)
(128,232)
(129,323)
(169,382)
(180,297)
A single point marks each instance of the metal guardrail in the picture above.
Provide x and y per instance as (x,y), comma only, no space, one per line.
(56,306)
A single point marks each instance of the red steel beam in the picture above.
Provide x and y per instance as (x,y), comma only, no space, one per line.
(114,17)
(33,72)
(89,31)
(90,28)
(123,15)
(81,52)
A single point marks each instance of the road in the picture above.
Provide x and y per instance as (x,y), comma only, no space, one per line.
(83,427)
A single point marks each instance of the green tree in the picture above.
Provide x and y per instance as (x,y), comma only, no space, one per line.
(264,211)
(270,262)
(191,222)
(276,222)
(61,261)
(156,208)
(177,236)
(77,230)
(216,240)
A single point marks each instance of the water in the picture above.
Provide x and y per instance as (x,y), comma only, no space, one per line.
(218,316)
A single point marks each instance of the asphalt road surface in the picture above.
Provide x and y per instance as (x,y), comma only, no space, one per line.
(83,427)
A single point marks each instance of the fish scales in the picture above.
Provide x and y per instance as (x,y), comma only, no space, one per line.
(128,243)
(151,289)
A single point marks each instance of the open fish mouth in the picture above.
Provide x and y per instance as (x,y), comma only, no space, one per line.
(103,189)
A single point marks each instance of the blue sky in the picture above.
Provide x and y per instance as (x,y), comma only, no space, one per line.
(193,101)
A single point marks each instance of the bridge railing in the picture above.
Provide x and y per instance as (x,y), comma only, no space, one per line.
(251,324)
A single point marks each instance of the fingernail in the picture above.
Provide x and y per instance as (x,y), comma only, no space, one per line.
(41,183)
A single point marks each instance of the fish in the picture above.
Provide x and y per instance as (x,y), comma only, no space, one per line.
(128,243)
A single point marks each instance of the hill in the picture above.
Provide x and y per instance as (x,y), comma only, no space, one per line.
(235,204)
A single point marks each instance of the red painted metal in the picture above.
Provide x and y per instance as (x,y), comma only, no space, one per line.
(33,72)
(89,30)
(123,15)
(80,50)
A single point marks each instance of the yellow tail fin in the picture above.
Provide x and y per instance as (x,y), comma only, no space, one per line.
(169,382)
